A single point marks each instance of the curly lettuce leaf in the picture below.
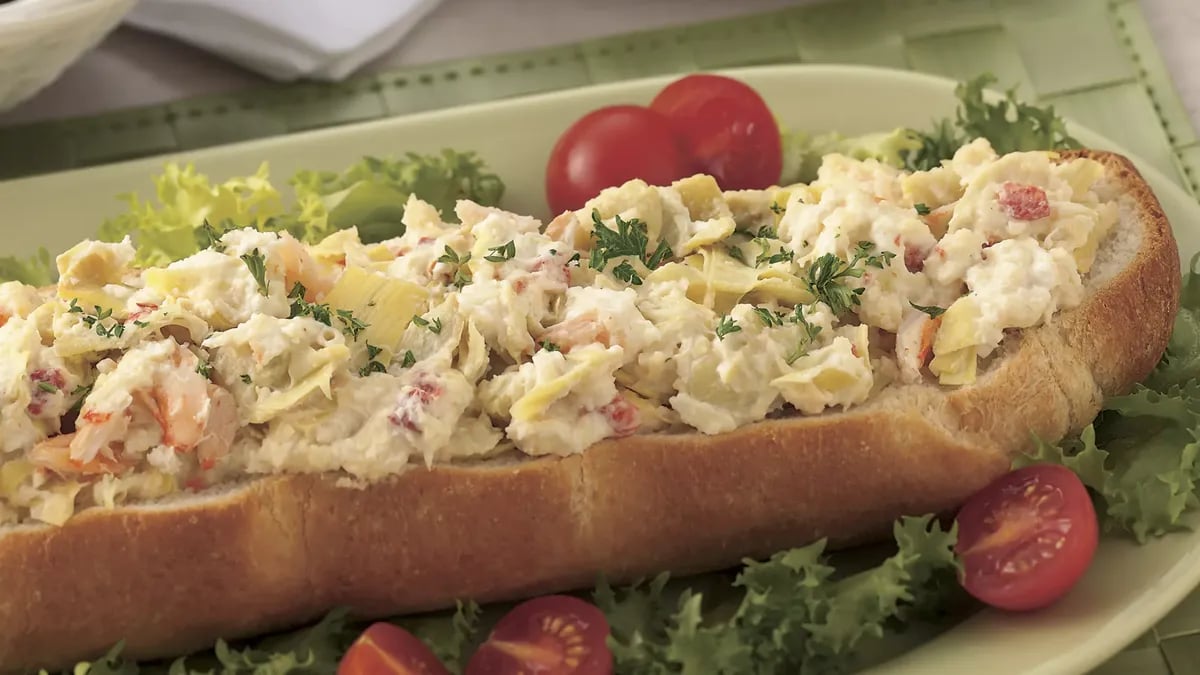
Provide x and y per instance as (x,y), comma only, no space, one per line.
(1181,363)
(371,194)
(1009,124)
(1140,459)
(795,614)
(37,270)
(451,637)
(165,230)
(802,152)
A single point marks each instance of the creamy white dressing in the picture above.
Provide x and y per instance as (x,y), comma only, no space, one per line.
(455,340)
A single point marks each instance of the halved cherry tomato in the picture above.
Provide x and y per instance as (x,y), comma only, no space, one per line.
(1027,537)
(727,129)
(608,147)
(386,649)
(551,635)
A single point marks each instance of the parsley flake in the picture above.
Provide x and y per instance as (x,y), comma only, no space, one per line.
(726,326)
(420,321)
(810,333)
(768,317)
(257,265)
(737,254)
(409,360)
(550,346)
(499,254)
(204,368)
(629,239)
(209,237)
(776,208)
(462,276)
(922,209)
(373,365)
(625,272)
(246,378)
(47,387)
(932,311)
(351,325)
(435,326)
(826,277)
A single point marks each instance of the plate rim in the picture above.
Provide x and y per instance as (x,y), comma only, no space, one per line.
(1102,645)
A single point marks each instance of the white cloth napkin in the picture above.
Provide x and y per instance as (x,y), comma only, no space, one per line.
(286,39)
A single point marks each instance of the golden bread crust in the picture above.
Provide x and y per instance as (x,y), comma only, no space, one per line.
(280,551)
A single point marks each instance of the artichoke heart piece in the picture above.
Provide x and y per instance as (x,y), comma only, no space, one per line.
(13,474)
(277,402)
(955,344)
(384,303)
(702,197)
(538,399)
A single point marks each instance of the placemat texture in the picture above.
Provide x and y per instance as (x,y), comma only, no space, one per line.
(1094,60)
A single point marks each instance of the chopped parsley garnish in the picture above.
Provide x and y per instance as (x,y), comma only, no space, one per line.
(810,333)
(768,317)
(47,387)
(766,232)
(499,254)
(726,326)
(209,237)
(1009,125)
(351,325)
(922,209)
(247,379)
(736,253)
(574,259)
(257,265)
(373,365)
(302,307)
(776,208)
(629,239)
(409,360)
(204,368)
(826,277)
(96,320)
(768,258)
(625,272)
(933,312)
(435,326)
(140,324)
(420,321)
(550,346)
(462,276)
(82,391)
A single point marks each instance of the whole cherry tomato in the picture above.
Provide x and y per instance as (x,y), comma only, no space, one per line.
(727,129)
(608,147)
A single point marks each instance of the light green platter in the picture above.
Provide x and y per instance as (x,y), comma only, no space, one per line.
(1128,588)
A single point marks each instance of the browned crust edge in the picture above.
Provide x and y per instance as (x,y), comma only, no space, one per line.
(282,551)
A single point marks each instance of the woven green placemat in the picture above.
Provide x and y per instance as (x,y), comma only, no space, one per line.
(1095,60)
